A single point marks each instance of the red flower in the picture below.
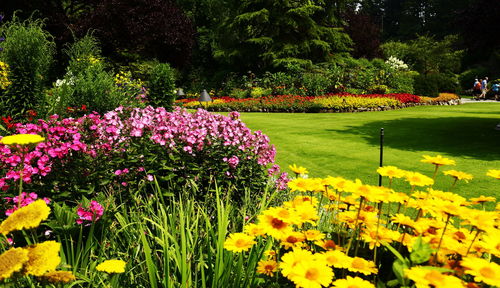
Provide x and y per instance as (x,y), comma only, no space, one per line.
(84,107)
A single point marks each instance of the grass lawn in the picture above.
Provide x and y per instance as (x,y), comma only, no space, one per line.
(347,144)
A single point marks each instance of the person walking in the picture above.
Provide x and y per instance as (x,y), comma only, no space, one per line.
(496,91)
(484,88)
(476,89)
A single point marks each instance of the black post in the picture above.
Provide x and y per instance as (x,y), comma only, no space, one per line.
(381,154)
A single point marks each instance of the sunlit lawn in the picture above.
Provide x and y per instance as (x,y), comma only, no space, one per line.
(348,144)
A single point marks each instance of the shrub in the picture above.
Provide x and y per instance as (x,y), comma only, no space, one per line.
(28,50)
(316,83)
(239,93)
(426,85)
(257,92)
(377,89)
(161,85)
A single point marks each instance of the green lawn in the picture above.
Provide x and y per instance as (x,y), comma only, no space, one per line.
(348,144)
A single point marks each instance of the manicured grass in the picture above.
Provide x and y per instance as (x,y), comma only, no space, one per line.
(348,144)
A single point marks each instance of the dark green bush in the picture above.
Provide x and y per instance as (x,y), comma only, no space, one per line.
(162,86)
(433,84)
(28,50)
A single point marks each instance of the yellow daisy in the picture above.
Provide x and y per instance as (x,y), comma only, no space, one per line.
(312,274)
(458,175)
(437,160)
(482,270)
(361,265)
(267,267)
(293,239)
(299,170)
(274,226)
(336,258)
(238,242)
(352,282)
(425,278)
(493,173)
(391,172)
(253,230)
(290,260)
(482,199)
(417,179)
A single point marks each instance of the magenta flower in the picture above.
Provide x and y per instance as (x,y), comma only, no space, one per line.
(92,213)
(24,199)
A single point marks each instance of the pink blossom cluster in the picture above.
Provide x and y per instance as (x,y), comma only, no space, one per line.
(62,139)
(21,201)
(92,213)
(224,139)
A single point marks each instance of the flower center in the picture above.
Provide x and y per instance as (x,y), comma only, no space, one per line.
(278,224)
(291,239)
(312,274)
(487,272)
(357,264)
(240,243)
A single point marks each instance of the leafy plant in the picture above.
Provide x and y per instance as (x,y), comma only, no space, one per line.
(161,84)
(28,50)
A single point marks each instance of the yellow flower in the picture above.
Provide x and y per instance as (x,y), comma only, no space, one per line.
(361,265)
(352,282)
(437,160)
(403,220)
(482,270)
(302,184)
(482,220)
(299,170)
(112,266)
(43,257)
(301,200)
(283,214)
(58,277)
(493,173)
(311,273)
(491,242)
(238,242)
(293,239)
(26,217)
(374,237)
(482,199)
(314,235)
(253,230)
(417,179)
(458,175)
(290,260)
(12,261)
(424,278)
(306,213)
(336,258)
(274,226)
(267,267)
(22,139)
(391,172)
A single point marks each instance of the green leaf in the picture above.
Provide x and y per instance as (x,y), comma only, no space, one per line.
(398,268)
(421,251)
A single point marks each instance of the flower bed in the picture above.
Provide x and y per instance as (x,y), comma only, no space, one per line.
(124,147)
(343,102)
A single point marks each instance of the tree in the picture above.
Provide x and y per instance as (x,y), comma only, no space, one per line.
(267,34)
(151,28)
(364,33)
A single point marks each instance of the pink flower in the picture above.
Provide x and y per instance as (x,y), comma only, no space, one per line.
(92,213)
(150,177)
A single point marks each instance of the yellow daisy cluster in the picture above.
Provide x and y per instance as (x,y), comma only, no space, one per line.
(4,73)
(357,214)
(40,259)
(112,266)
(91,59)
(22,139)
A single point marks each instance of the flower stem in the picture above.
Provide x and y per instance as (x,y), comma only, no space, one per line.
(475,237)
(442,236)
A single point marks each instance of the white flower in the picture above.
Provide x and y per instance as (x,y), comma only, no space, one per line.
(396,64)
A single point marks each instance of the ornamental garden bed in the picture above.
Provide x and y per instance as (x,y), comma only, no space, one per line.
(329,103)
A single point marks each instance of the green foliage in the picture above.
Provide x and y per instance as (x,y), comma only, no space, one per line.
(161,86)
(433,84)
(82,53)
(426,54)
(28,50)
(467,77)
(266,35)
(257,92)
(377,89)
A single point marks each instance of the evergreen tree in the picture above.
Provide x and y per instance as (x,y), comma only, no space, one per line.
(267,34)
